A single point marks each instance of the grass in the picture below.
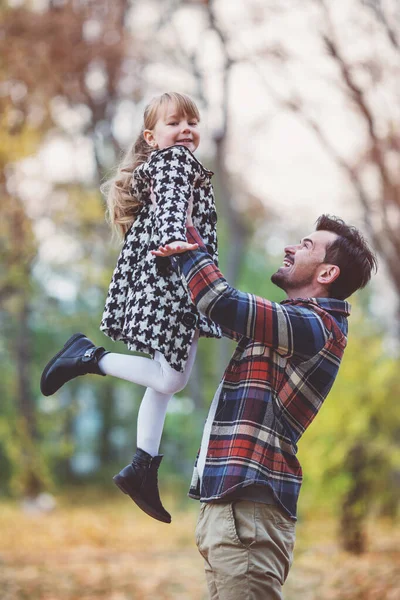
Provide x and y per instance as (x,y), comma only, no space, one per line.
(95,548)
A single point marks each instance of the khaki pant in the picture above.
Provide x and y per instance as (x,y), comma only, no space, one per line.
(247,548)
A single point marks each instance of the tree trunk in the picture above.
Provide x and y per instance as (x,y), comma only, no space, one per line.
(236,235)
(32,477)
(356,502)
(106,406)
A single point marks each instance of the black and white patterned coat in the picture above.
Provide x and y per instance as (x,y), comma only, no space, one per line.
(147,305)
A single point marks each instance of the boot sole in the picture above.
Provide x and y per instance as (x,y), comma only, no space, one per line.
(47,368)
(141,504)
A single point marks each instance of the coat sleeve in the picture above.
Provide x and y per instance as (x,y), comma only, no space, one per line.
(173,172)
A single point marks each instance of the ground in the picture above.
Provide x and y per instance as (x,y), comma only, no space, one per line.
(109,550)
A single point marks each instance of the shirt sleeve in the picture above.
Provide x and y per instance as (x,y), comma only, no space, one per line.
(288,329)
(173,172)
(193,237)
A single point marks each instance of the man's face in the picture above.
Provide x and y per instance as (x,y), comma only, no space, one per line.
(302,264)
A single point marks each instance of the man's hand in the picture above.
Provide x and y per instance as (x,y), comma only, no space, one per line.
(174,248)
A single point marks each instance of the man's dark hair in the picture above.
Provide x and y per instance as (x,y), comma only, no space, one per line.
(351,253)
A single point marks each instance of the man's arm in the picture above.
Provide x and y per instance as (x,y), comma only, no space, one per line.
(288,329)
(194,241)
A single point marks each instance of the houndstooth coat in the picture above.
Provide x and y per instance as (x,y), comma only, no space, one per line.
(147,305)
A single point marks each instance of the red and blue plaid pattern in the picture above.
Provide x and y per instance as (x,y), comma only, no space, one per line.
(285,363)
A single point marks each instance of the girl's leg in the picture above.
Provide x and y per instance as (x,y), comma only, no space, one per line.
(154,405)
(150,422)
(152,373)
(80,356)
(139,478)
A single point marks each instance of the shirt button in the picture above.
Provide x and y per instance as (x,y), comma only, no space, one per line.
(189,319)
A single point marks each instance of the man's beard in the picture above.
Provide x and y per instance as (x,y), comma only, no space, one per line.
(279,279)
(288,284)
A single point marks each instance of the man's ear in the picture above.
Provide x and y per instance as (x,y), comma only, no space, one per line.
(328,274)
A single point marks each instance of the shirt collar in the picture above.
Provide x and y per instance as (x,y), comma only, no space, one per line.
(328,304)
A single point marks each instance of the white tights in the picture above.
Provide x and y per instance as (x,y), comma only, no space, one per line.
(162,382)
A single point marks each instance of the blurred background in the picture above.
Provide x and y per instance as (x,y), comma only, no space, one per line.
(300,107)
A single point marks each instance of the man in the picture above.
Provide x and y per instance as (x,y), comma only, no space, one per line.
(247,476)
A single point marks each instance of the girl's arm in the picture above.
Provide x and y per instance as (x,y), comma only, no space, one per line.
(194,241)
(173,172)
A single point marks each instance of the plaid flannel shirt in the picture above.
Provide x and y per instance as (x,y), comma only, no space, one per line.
(284,365)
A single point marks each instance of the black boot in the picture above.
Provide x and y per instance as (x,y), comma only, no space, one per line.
(139,481)
(77,357)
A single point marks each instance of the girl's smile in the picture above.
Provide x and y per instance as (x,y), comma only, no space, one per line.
(172,129)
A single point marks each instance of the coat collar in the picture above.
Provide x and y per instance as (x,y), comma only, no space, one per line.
(328,304)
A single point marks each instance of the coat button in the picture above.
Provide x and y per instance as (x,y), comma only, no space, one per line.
(210,249)
(213,217)
(189,319)
(163,265)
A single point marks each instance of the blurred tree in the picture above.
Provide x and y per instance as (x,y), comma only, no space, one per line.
(365,80)
(362,79)
(70,55)
(18,250)
(356,437)
(388,15)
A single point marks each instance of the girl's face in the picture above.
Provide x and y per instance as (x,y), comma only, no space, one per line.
(172,128)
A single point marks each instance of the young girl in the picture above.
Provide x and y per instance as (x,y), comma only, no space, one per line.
(147,306)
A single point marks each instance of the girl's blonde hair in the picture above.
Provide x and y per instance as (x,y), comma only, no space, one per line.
(122,205)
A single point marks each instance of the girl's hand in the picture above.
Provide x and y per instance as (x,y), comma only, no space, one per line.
(174,248)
